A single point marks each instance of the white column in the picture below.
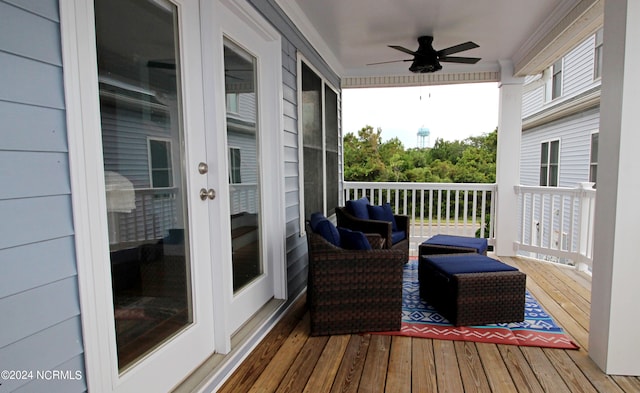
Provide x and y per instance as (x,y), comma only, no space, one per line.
(508,159)
(613,338)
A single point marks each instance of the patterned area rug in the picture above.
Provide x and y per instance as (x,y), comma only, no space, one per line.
(419,319)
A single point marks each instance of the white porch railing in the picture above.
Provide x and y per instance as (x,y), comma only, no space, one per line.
(448,208)
(557,223)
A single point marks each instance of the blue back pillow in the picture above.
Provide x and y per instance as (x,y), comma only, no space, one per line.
(358,208)
(325,228)
(383,213)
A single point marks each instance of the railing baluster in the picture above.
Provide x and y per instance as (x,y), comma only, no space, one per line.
(421,213)
(483,212)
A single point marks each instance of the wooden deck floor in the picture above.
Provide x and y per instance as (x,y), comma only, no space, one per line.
(289,360)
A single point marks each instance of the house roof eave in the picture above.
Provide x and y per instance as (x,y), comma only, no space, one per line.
(559,36)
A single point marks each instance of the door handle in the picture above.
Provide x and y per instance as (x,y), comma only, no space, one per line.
(210,193)
(203,168)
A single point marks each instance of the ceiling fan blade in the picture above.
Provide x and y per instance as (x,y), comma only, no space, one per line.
(403,49)
(463,60)
(391,61)
(457,48)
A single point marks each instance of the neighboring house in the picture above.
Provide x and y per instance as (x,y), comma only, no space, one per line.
(561,119)
(559,147)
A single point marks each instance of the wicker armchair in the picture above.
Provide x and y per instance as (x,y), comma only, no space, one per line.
(353,291)
(347,220)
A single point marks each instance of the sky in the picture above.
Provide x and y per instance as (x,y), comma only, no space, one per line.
(451,112)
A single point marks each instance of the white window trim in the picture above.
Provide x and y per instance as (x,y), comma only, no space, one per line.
(553,72)
(550,141)
(171,169)
(235,97)
(231,147)
(597,71)
(324,82)
(590,149)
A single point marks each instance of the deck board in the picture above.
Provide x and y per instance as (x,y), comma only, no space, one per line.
(289,360)
(472,372)
(399,372)
(523,376)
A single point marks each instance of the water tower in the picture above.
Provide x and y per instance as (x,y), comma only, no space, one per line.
(423,137)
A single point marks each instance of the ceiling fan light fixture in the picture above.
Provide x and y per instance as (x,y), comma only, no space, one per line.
(426,59)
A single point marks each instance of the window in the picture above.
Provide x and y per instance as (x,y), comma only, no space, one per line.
(597,57)
(160,170)
(549,159)
(556,80)
(233,102)
(331,147)
(593,161)
(235,161)
(319,125)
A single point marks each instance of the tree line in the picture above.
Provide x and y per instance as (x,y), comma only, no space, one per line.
(367,158)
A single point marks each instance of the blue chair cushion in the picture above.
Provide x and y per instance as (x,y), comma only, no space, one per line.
(397,236)
(358,208)
(479,244)
(382,213)
(353,240)
(325,228)
(467,263)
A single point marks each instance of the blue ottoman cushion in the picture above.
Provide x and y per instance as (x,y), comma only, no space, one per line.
(479,244)
(468,263)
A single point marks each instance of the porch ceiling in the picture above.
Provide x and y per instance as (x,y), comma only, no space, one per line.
(530,34)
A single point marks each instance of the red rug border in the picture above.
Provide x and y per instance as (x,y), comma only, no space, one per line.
(509,337)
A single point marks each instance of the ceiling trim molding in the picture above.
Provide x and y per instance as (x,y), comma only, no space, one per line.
(420,79)
(553,40)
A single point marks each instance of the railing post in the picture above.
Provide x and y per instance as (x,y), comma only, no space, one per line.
(585,226)
(508,159)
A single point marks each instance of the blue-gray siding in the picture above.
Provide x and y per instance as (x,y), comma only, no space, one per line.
(293,42)
(39,302)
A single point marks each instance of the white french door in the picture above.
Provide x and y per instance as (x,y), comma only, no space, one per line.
(141,192)
(162,144)
(247,143)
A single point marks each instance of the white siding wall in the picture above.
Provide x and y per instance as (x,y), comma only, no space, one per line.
(39,304)
(578,68)
(574,134)
(533,100)
(577,77)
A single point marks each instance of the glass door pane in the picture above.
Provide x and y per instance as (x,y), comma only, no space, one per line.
(142,137)
(243,161)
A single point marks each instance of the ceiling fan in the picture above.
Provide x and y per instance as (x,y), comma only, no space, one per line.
(427,59)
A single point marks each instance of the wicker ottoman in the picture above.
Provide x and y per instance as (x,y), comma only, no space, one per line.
(472,289)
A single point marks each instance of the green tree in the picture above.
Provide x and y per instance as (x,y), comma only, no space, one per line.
(367,158)
(362,158)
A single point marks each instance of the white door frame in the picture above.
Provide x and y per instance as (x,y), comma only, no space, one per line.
(89,207)
(240,22)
